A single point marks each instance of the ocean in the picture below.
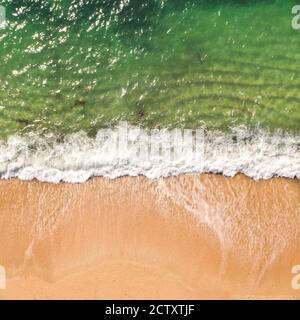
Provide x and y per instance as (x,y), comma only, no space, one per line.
(72,70)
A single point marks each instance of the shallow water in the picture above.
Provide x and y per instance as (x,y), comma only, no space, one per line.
(71,65)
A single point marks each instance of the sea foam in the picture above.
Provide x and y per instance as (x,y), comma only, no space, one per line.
(256,153)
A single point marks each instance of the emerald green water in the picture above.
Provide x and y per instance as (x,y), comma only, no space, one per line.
(73,65)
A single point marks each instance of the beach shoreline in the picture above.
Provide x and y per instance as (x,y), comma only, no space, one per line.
(187,237)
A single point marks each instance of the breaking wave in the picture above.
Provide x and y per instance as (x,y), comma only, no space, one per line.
(129,151)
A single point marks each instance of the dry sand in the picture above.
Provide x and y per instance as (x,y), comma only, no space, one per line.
(188,237)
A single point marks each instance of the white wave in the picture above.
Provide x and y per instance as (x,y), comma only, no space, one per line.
(258,154)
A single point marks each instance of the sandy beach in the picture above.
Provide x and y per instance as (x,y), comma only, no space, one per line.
(188,237)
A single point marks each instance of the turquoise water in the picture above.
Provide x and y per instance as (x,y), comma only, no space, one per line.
(78,78)
(84,65)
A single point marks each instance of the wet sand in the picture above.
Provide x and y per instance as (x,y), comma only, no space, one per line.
(188,237)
